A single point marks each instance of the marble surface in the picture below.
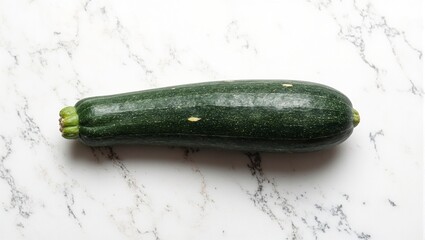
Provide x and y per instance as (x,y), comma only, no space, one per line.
(53,53)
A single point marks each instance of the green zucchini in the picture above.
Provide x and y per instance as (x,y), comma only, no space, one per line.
(247,115)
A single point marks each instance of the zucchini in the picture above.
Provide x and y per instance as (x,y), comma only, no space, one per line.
(247,115)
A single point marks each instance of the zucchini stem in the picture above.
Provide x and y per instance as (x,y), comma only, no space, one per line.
(356,117)
(69,123)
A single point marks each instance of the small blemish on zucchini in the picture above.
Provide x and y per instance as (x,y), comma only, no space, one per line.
(193,119)
(287,85)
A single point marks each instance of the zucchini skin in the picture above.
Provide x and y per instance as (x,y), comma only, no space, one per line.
(246,115)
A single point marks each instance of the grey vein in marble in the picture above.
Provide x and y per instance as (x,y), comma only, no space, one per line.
(31,131)
(69,205)
(235,37)
(281,211)
(108,152)
(203,191)
(372,138)
(392,203)
(355,33)
(18,198)
(148,72)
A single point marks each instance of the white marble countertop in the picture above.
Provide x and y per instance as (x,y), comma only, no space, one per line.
(53,53)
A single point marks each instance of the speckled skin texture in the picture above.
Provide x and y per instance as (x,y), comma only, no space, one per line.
(249,115)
